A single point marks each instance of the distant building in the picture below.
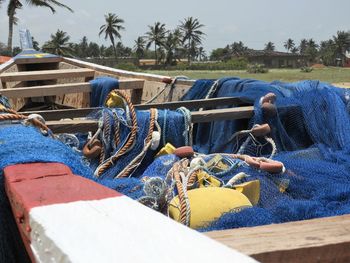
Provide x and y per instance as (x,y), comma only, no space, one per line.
(274,59)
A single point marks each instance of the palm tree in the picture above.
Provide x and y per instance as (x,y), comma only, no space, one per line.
(341,43)
(237,49)
(172,45)
(13,5)
(83,47)
(289,44)
(156,35)
(112,29)
(190,28)
(302,46)
(269,46)
(201,53)
(59,44)
(294,50)
(139,47)
(311,50)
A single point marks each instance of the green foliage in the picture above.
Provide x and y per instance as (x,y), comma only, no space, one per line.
(269,46)
(232,64)
(111,29)
(59,44)
(306,69)
(127,66)
(16,51)
(257,68)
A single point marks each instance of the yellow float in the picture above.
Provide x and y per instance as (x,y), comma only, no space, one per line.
(209,203)
(114,100)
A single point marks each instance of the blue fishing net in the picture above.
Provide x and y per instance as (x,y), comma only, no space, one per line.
(311,132)
(20,144)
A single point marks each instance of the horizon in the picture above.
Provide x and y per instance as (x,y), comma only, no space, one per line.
(263,24)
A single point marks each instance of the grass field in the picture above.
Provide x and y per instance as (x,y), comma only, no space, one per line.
(331,75)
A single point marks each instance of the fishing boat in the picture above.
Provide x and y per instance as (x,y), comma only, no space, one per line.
(64,217)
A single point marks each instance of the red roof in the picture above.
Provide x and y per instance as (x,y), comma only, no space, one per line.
(4,59)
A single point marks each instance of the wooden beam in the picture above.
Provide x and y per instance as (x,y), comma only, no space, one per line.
(316,240)
(46,196)
(46,74)
(223,114)
(190,104)
(124,73)
(72,126)
(60,89)
(35,60)
(84,125)
(6,65)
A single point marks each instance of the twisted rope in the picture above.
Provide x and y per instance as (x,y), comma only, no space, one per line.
(178,174)
(137,160)
(12,115)
(116,131)
(110,161)
(106,133)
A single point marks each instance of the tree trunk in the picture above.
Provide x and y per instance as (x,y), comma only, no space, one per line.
(115,50)
(155,52)
(189,52)
(9,40)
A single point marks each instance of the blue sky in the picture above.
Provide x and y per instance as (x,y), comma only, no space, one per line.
(255,22)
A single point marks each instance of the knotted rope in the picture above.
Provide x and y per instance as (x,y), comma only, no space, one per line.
(130,141)
(147,143)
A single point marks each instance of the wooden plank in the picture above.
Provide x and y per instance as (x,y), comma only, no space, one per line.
(223,114)
(46,74)
(124,73)
(136,96)
(316,240)
(46,196)
(67,88)
(6,65)
(72,126)
(84,125)
(191,104)
(35,60)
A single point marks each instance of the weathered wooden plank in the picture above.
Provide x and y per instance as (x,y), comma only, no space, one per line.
(6,65)
(223,114)
(72,126)
(36,60)
(316,240)
(191,104)
(124,73)
(46,74)
(83,125)
(46,196)
(60,89)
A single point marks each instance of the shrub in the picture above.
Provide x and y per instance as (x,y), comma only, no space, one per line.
(232,64)
(127,66)
(306,69)
(257,68)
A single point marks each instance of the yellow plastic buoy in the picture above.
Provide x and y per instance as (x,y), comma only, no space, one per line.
(167,149)
(251,190)
(114,100)
(206,180)
(208,204)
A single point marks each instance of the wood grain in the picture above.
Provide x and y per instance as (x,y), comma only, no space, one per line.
(46,74)
(83,125)
(60,89)
(35,60)
(6,65)
(316,240)
(123,73)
